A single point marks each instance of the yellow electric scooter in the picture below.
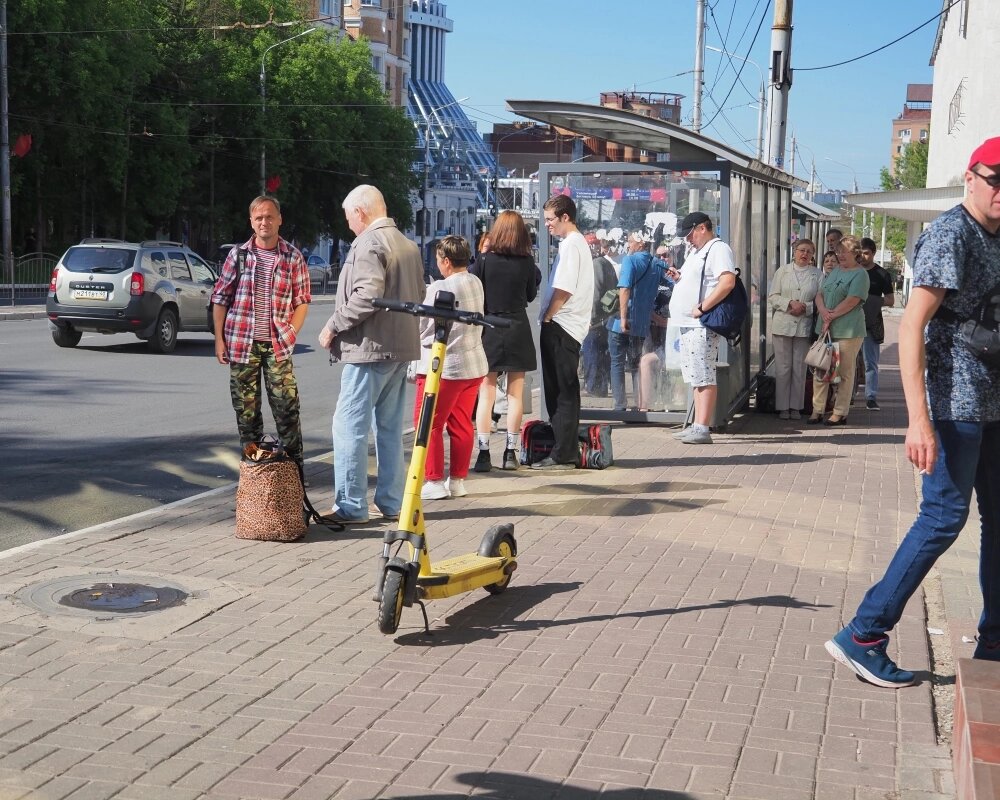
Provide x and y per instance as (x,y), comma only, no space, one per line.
(408,576)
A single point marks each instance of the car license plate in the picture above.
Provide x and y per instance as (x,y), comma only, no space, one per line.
(90,294)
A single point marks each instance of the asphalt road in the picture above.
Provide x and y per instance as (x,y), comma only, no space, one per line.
(109,428)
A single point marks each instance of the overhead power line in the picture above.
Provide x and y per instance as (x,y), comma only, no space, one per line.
(742,66)
(883,47)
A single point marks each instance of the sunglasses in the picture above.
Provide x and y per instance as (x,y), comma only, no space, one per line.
(993,181)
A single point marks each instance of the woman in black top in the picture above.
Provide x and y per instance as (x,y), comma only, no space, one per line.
(508,274)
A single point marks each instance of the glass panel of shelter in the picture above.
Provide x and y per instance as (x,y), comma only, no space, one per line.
(611,204)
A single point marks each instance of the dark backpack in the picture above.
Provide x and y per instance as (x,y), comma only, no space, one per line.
(537,441)
(726,318)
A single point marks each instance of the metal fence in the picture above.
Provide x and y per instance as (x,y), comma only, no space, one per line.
(32,273)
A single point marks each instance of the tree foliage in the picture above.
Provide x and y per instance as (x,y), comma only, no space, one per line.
(146,119)
(911,173)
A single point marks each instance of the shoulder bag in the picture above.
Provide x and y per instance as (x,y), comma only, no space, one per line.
(726,318)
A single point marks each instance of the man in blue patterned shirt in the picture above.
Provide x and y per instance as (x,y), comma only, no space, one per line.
(953,436)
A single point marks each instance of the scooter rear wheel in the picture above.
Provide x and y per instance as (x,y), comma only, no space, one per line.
(390,607)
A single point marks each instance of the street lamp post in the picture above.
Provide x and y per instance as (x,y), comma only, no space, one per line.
(855,175)
(761,98)
(263,105)
(848,166)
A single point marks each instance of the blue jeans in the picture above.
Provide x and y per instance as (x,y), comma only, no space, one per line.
(596,361)
(870,349)
(371,397)
(968,457)
(626,350)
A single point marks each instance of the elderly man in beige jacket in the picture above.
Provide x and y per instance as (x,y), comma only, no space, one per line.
(375,347)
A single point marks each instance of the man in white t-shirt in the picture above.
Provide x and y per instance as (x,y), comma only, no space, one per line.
(565,321)
(706,278)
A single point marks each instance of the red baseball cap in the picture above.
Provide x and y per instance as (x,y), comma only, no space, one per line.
(987,153)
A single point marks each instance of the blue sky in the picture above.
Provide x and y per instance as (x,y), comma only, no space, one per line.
(575,49)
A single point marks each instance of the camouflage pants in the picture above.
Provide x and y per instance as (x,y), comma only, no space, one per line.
(282,394)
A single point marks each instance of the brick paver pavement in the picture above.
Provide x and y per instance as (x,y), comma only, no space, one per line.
(662,638)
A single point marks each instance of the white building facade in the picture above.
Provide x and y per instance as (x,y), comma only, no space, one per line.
(964,110)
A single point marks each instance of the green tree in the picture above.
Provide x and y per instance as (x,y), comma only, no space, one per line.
(146,118)
(911,173)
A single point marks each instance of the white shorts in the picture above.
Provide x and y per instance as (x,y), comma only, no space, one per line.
(699,352)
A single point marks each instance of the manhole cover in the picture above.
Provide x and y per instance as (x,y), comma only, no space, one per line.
(123,598)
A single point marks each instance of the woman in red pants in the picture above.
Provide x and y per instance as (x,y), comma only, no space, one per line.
(464,367)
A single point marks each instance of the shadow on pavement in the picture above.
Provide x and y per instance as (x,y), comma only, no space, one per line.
(515,786)
(490,617)
(700,459)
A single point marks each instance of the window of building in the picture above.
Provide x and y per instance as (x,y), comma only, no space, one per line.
(923,134)
(324,7)
(955,107)
(904,134)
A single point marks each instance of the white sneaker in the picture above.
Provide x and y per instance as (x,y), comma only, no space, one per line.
(697,437)
(456,487)
(681,433)
(434,490)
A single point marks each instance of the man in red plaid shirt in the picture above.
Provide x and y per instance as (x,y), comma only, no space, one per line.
(259,306)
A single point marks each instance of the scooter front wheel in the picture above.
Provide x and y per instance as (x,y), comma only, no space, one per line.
(503,547)
(390,607)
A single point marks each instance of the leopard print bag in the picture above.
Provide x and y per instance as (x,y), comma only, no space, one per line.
(269,499)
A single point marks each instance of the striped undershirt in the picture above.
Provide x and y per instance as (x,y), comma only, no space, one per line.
(263,285)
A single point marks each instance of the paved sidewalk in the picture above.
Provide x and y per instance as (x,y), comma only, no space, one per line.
(661,639)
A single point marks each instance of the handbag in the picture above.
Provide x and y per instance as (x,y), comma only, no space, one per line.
(271,501)
(269,498)
(820,354)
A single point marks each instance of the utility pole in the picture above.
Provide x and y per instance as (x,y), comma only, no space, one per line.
(791,168)
(812,181)
(8,255)
(781,81)
(699,65)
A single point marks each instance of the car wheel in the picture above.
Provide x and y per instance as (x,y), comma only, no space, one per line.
(66,337)
(164,338)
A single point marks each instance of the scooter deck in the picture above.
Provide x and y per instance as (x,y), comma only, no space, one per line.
(462,573)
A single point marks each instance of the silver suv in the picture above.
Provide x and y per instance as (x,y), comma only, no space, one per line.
(152,289)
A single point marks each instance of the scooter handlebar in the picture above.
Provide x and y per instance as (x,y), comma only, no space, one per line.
(455,314)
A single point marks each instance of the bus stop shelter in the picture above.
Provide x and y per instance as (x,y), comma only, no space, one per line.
(749,202)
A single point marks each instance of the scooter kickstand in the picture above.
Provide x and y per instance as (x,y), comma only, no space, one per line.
(423,610)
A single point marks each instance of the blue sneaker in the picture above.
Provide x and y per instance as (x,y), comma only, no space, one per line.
(868,660)
(987,652)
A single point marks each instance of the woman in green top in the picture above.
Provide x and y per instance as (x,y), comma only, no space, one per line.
(839,312)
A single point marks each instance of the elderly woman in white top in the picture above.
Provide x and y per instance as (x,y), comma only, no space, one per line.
(792,296)
(464,367)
